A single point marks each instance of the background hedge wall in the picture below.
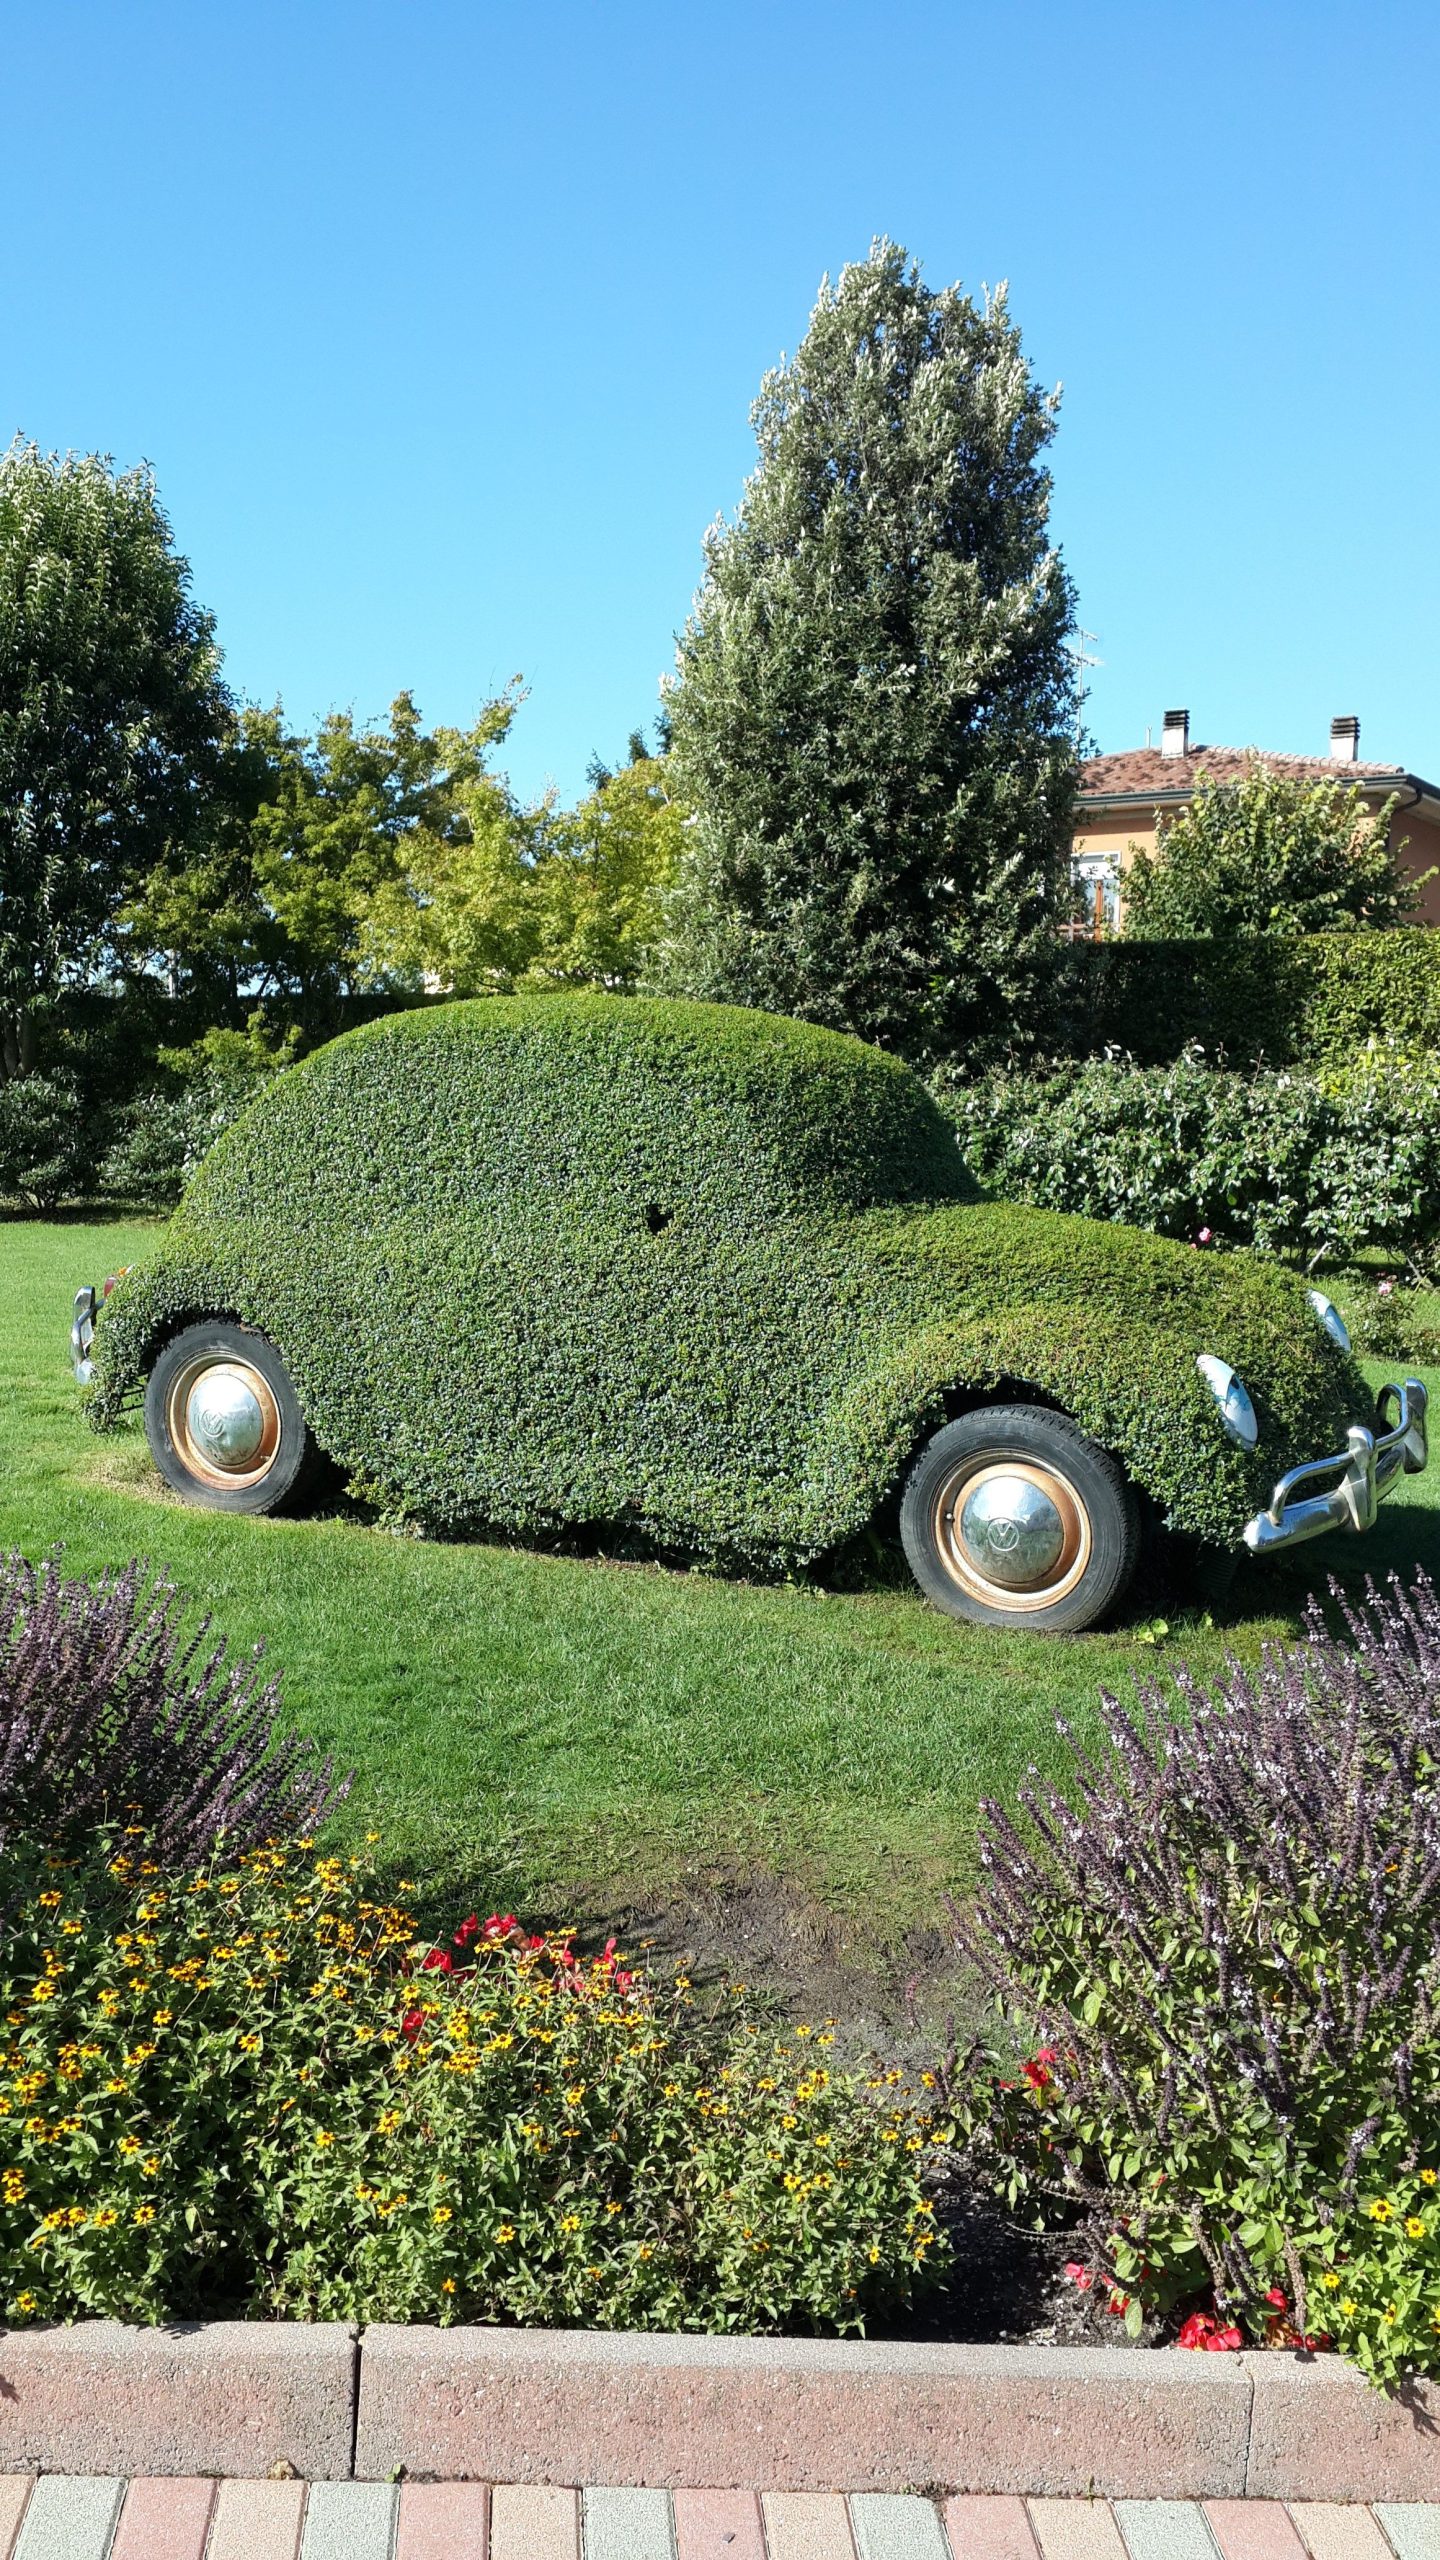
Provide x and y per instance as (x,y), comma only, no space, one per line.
(1311,1000)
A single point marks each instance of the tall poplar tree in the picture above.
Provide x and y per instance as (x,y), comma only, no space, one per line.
(874,711)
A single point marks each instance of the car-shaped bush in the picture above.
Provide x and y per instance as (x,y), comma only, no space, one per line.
(722,1277)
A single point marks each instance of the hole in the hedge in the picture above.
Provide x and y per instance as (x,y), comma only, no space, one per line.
(656,1218)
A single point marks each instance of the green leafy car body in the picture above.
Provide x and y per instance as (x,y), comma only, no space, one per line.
(710,1272)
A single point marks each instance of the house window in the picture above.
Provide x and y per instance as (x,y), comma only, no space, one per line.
(1096,879)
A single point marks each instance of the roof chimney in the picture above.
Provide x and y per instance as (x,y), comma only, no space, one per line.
(1345,740)
(1175,735)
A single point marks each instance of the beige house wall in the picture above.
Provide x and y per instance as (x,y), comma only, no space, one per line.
(1416,841)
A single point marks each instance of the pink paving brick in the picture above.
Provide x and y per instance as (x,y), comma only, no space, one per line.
(1338,2533)
(807,2524)
(1253,2529)
(718,2524)
(443,2520)
(989,2529)
(14,2498)
(1076,2529)
(257,2520)
(535,2524)
(164,2520)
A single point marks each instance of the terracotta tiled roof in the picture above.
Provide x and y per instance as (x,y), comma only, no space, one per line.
(1142,769)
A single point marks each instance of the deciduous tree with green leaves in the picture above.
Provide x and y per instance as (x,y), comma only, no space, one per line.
(508,898)
(308,839)
(874,713)
(111,713)
(1271,853)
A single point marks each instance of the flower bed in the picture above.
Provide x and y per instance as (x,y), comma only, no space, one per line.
(1228,1938)
(250,2088)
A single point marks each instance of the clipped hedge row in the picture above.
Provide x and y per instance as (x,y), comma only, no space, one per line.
(706,1272)
(1314,1000)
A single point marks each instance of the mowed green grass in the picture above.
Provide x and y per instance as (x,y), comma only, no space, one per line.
(577,1735)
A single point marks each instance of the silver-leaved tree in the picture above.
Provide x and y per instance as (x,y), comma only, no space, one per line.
(874,713)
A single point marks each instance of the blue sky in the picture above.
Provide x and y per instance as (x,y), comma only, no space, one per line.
(440,323)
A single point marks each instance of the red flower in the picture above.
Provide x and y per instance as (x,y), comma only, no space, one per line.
(1081,2277)
(411,2023)
(1277,2296)
(439,1960)
(1202,2331)
(466,1931)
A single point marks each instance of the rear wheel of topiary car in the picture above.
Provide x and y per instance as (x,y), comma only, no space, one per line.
(224,1422)
(1011,1517)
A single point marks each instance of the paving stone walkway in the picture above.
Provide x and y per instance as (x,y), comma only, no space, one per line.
(73,2519)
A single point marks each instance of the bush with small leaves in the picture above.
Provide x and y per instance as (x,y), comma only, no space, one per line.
(109,1709)
(1220,1950)
(1311,1168)
(47,1141)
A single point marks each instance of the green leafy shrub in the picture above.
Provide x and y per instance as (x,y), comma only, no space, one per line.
(1221,1950)
(250,2089)
(1269,855)
(47,1142)
(164,1133)
(1388,1321)
(1312,1168)
(704,1273)
(108,1705)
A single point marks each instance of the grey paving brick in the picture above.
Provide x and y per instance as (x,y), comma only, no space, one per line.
(890,2528)
(1164,2529)
(1415,2531)
(628,2524)
(70,2519)
(349,2520)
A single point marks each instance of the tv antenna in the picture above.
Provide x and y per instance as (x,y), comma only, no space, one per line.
(1084,659)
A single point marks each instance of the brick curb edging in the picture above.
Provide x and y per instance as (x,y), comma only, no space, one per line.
(241,2399)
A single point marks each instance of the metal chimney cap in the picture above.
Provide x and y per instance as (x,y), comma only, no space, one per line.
(1175,734)
(1345,739)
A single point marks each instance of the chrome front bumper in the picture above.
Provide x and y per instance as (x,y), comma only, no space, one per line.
(1373,1462)
(82,1333)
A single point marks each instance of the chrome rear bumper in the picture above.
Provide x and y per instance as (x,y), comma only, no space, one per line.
(1373,1462)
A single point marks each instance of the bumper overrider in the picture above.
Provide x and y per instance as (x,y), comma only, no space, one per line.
(1369,1466)
(88,1303)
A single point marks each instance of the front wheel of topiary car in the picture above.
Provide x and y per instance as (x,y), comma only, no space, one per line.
(1011,1517)
(224,1422)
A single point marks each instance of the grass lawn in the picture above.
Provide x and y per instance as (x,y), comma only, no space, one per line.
(585,1737)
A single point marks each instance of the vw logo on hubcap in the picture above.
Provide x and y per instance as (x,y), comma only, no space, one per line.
(1011,1531)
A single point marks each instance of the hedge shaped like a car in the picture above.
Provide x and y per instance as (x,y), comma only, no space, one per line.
(712,1273)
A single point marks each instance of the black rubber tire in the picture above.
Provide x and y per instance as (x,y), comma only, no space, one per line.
(287,1475)
(1101,1492)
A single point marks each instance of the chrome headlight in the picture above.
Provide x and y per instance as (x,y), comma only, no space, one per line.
(1331,1318)
(1232,1396)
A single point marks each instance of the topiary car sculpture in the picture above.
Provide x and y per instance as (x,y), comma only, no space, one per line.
(721,1276)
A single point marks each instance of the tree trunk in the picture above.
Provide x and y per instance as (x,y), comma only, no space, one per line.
(17,1044)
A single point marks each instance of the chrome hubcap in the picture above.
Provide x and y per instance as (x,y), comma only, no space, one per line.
(1011,1532)
(226,1419)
